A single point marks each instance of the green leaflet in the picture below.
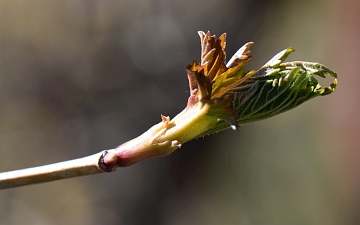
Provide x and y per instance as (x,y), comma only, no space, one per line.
(278,87)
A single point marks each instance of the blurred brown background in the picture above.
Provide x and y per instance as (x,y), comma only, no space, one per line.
(80,76)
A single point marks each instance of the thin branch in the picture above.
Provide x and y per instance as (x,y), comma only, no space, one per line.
(92,164)
(222,96)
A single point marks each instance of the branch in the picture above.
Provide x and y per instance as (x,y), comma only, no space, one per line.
(101,162)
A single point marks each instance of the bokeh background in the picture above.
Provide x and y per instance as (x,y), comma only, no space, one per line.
(81,76)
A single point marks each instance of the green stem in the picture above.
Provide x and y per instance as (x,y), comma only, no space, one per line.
(168,135)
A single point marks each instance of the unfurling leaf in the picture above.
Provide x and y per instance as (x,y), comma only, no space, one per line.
(274,88)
